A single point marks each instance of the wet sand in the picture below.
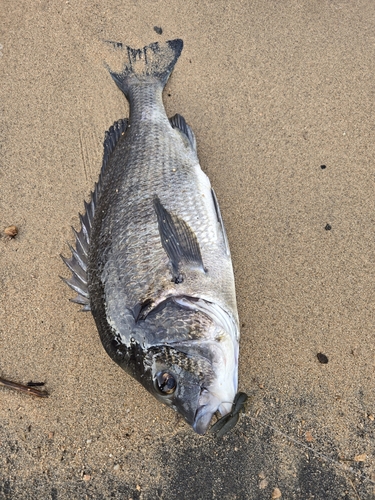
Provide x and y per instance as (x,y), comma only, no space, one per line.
(273,92)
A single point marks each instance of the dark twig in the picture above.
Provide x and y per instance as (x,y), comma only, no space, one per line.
(23,388)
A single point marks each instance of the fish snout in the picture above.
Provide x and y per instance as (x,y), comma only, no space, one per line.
(205,412)
(202,419)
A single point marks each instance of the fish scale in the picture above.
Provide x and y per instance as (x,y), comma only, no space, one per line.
(149,168)
(152,260)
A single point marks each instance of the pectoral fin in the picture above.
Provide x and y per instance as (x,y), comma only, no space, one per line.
(178,239)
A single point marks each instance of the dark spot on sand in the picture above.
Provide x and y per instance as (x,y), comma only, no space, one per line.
(35,384)
(323,167)
(158,30)
(328,227)
(322,358)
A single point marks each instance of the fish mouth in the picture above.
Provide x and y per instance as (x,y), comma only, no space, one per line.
(219,394)
(202,420)
(205,412)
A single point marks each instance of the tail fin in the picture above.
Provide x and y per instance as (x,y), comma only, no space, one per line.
(153,63)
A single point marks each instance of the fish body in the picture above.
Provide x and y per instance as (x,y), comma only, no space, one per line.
(152,260)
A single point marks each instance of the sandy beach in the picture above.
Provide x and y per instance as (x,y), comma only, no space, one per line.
(280,96)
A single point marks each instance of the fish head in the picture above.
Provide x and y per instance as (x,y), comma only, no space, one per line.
(196,377)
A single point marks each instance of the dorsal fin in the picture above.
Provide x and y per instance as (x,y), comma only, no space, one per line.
(177,121)
(78,261)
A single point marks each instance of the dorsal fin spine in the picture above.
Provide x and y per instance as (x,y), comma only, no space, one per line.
(78,261)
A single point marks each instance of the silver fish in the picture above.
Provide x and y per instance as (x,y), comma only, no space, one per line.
(152,260)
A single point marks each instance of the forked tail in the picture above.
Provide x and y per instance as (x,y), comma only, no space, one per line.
(152,64)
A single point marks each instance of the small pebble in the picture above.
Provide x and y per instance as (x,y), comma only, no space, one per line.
(158,30)
(86,477)
(308,437)
(276,493)
(322,358)
(116,467)
(328,227)
(263,484)
(360,458)
(11,231)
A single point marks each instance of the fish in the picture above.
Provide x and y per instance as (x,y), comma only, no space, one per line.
(152,261)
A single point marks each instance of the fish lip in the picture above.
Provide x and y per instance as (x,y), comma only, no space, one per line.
(205,412)
(202,419)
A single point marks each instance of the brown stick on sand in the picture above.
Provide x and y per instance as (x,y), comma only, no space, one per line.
(23,388)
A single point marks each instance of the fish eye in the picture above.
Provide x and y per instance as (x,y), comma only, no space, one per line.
(165,383)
